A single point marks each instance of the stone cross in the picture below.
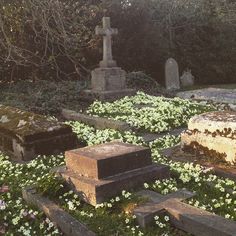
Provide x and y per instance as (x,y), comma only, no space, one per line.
(183,216)
(107,33)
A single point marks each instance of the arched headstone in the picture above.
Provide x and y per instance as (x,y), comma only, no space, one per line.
(172,74)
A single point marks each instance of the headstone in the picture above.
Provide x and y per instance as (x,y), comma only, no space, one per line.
(217,95)
(187,79)
(100,172)
(25,135)
(183,216)
(213,134)
(172,74)
(108,81)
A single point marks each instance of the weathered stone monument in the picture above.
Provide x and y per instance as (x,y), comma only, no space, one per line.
(212,134)
(187,79)
(100,172)
(108,81)
(172,75)
(25,135)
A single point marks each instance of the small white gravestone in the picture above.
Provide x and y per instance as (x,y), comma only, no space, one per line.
(172,74)
(187,79)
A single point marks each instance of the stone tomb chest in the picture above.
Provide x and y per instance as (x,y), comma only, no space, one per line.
(24,135)
(212,134)
(100,172)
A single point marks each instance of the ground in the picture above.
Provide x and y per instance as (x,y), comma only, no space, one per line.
(156,114)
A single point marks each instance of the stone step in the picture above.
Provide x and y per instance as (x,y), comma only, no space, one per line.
(95,191)
(104,160)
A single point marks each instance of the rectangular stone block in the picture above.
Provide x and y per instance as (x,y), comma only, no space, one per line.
(97,191)
(102,161)
(24,135)
(108,79)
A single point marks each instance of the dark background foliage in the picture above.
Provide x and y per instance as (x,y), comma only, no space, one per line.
(54,39)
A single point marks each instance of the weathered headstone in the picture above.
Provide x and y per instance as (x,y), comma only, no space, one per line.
(25,135)
(213,134)
(100,172)
(187,79)
(172,75)
(108,81)
(183,216)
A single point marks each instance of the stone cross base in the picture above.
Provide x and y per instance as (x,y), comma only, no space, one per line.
(100,172)
(92,95)
(106,79)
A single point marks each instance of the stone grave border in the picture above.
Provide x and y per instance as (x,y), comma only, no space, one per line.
(97,122)
(63,220)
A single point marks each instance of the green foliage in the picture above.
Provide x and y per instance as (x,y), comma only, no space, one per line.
(199,34)
(41,96)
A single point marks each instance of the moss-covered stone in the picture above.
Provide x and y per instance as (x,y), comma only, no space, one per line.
(26,135)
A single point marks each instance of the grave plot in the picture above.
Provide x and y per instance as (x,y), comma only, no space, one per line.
(24,135)
(115,215)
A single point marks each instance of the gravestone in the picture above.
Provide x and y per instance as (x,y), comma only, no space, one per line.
(25,135)
(213,134)
(187,79)
(108,81)
(183,216)
(172,75)
(100,172)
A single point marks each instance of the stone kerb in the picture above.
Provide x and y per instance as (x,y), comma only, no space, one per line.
(97,122)
(63,220)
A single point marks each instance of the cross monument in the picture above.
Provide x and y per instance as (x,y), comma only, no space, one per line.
(107,33)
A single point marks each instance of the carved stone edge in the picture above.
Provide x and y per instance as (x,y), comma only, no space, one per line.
(63,220)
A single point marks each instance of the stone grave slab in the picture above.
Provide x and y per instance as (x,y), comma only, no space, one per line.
(63,220)
(183,216)
(24,135)
(100,172)
(97,122)
(108,82)
(217,95)
(213,134)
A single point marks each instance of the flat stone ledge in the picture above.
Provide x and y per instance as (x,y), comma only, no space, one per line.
(95,191)
(97,122)
(64,221)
